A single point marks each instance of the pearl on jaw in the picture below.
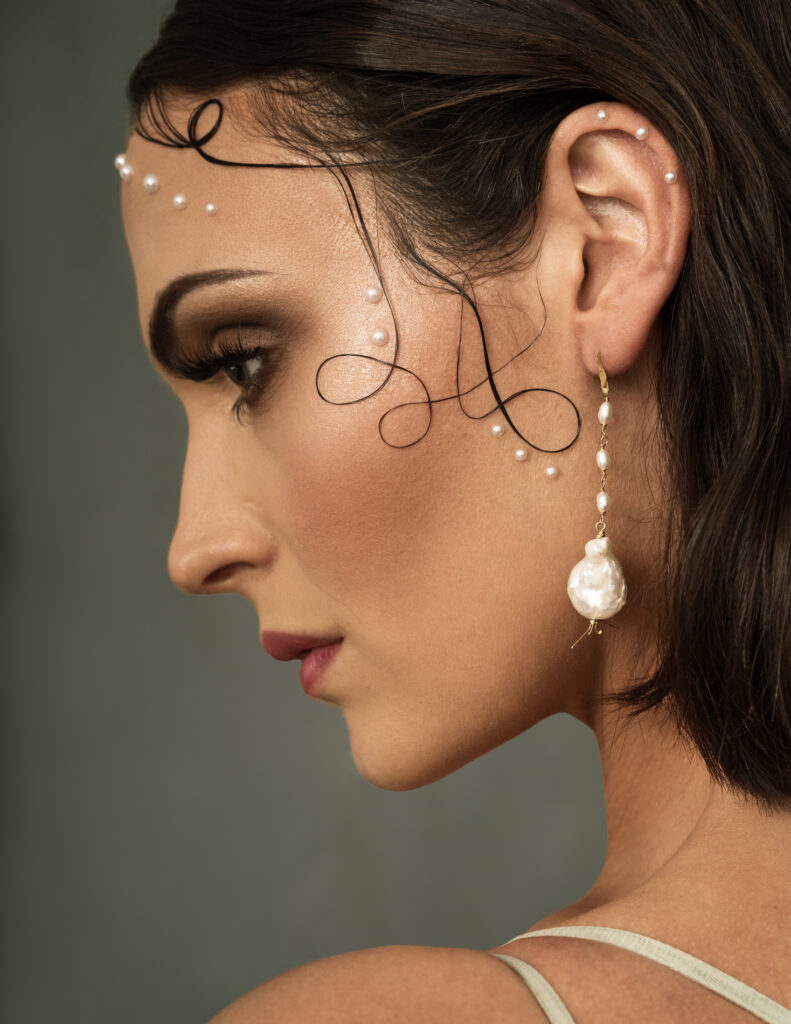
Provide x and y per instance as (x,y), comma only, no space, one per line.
(119,161)
(641,133)
(379,336)
(211,209)
(179,200)
(551,472)
(596,586)
(373,294)
(151,183)
(126,172)
(520,454)
(497,430)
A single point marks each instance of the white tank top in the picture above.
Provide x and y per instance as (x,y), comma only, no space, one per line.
(723,984)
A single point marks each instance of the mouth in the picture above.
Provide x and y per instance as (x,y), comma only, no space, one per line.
(315,663)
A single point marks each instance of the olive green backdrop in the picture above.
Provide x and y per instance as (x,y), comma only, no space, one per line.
(178,822)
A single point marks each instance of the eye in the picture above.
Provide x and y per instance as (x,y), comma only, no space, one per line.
(242,377)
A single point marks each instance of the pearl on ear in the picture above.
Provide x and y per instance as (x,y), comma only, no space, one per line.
(641,133)
(151,183)
(601,115)
(126,172)
(119,161)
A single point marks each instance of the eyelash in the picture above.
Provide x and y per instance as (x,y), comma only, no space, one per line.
(227,355)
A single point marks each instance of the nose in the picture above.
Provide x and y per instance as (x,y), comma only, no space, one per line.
(221,542)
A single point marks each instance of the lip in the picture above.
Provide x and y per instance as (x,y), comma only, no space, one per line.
(315,663)
(287,646)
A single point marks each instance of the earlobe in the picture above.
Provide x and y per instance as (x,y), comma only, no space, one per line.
(615,180)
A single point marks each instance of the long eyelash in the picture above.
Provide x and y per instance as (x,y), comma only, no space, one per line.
(229,353)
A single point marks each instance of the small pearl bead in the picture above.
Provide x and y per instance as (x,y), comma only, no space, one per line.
(126,172)
(379,336)
(151,183)
(120,160)
(605,412)
(603,459)
(179,201)
(601,115)
(551,472)
(497,430)
(602,501)
(373,294)
(670,177)
(211,209)
(641,133)
(520,454)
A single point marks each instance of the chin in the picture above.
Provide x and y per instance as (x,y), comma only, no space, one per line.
(389,763)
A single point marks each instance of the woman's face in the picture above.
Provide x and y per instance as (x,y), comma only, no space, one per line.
(443,563)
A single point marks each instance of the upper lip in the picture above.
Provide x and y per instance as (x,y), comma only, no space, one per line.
(286,646)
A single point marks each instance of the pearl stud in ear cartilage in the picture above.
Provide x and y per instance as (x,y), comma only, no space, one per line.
(119,161)
(641,133)
(151,183)
(379,336)
(601,115)
(179,200)
(126,172)
(211,209)
(373,294)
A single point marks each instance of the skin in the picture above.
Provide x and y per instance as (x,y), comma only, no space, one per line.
(444,564)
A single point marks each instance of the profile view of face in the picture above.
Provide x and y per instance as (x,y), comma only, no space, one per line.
(438,556)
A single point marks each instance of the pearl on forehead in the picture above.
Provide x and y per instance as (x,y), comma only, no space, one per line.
(126,172)
(211,209)
(151,183)
(670,177)
(379,336)
(520,454)
(179,201)
(120,160)
(551,472)
(373,294)
(497,430)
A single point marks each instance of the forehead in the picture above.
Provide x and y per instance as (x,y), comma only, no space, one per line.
(282,220)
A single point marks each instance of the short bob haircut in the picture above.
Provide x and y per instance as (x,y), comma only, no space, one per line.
(455,102)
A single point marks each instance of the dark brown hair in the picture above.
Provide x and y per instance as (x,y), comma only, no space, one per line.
(455,102)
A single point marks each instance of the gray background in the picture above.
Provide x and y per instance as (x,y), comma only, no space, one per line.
(178,822)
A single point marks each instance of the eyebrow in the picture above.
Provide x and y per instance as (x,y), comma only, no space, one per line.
(161,329)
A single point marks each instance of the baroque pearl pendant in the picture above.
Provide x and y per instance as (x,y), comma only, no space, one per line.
(596,586)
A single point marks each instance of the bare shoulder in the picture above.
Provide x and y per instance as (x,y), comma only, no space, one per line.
(392,985)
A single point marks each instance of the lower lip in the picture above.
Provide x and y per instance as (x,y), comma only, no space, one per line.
(316,663)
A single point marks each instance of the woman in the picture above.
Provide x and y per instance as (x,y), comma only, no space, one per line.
(479,312)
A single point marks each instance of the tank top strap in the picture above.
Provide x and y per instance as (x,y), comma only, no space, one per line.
(691,967)
(546,997)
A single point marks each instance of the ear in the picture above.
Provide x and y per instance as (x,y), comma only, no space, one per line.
(615,232)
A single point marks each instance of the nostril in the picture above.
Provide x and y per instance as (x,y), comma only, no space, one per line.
(222,575)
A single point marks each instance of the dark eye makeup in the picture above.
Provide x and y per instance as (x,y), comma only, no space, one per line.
(231,355)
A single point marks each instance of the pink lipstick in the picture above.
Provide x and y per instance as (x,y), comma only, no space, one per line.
(316,653)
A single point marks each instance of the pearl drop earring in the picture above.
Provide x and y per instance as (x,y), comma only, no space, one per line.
(596,586)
